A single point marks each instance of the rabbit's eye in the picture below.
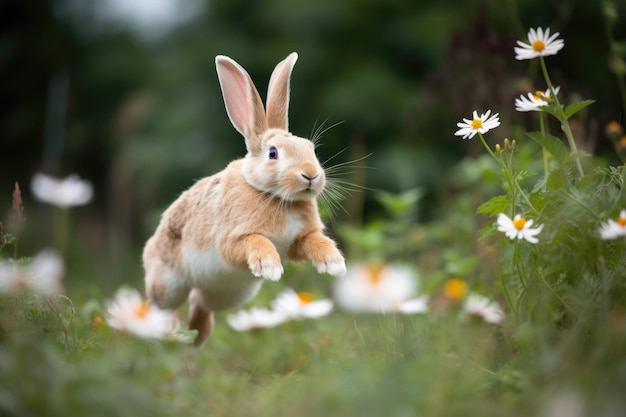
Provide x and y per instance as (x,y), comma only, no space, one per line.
(273,154)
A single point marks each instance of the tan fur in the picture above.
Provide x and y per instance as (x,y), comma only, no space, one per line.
(224,235)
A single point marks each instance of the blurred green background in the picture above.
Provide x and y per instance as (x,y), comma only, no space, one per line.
(125,94)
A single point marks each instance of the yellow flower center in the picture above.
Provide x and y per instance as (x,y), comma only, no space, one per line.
(519,223)
(97,320)
(540,95)
(477,124)
(621,221)
(539,45)
(455,288)
(305,297)
(375,269)
(142,311)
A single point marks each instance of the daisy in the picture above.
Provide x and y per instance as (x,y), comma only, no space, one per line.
(540,43)
(375,287)
(613,229)
(534,102)
(301,305)
(519,228)
(479,306)
(68,192)
(482,124)
(255,318)
(414,306)
(128,311)
(41,276)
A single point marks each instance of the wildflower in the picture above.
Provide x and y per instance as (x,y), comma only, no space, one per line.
(455,289)
(482,124)
(128,311)
(69,192)
(540,43)
(414,306)
(519,228)
(255,318)
(301,305)
(613,229)
(489,311)
(375,287)
(41,276)
(534,102)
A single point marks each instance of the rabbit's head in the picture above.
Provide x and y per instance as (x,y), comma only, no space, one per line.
(277,162)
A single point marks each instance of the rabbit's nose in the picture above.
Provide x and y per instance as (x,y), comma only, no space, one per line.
(308,176)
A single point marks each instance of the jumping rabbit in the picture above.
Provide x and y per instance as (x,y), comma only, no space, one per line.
(230,231)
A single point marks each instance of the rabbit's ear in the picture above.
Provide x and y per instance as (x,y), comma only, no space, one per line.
(242,100)
(278,94)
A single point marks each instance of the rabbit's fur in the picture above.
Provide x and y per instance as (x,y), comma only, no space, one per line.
(218,241)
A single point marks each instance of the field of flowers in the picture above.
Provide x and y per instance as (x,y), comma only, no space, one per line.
(528,317)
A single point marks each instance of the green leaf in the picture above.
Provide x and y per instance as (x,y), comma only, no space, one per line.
(495,206)
(523,174)
(552,144)
(574,108)
(400,203)
(553,110)
(559,178)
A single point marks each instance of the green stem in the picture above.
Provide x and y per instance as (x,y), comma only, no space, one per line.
(493,155)
(508,297)
(562,119)
(519,266)
(513,185)
(61,229)
(546,172)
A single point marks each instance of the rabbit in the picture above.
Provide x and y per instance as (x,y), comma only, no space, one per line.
(229,232)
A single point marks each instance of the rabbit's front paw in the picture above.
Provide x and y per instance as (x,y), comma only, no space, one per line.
(267,267)
(333,265)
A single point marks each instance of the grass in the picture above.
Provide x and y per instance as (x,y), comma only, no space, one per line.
(55,360)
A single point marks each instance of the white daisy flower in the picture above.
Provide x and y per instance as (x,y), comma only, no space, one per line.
(414,306)
(375,288)
(255,318)
(301,305)
(540,43)
(613,229)
(482,124)
(68,192)
(41,276)
(128,311)
(519,228)
(535,101)
(489,311)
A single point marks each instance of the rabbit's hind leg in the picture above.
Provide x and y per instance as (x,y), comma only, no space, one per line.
(200,318)
(164,286)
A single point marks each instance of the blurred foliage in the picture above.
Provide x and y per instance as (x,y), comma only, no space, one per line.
(142,117)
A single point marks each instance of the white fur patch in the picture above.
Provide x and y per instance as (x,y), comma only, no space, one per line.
(267,269)
(207,269)
(283,241)
(222,286)
(334,268)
